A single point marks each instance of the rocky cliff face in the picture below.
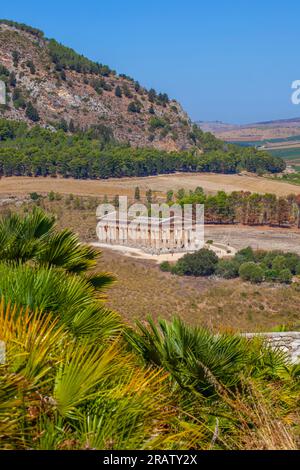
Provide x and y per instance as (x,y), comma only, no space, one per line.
(66,93)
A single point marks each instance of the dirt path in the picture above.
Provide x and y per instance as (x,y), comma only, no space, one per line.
(220,250)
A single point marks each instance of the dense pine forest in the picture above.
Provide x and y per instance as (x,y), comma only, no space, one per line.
(37,151)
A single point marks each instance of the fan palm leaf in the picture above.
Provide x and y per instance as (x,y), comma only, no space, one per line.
(69,297)
(34,237)
(198,359)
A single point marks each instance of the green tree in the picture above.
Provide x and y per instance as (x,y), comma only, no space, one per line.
(134,107)
(279,263)
(32,113)
(152,95)
(180,194)
(116,201)
(71,126)
(137,194)
(252,272)
(31,66)
(165,266)
(63,125)
(285,276)
(118,92)
(12,79)
(228,269)
(170,195)
(201,263)
(149,196)
(16,58)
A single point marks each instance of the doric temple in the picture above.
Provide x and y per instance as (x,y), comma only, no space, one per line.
(151,234)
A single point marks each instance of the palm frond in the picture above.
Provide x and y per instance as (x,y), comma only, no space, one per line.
(84,367)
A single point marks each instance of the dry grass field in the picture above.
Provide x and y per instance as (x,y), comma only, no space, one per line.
(142,289)
(211,183)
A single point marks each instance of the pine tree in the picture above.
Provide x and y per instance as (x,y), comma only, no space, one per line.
(137,194)
(170,195)
(152,95)
(72,126)
(32,113)
(118,92)
(12,79)
(16,58)
(149,196)
(63,125)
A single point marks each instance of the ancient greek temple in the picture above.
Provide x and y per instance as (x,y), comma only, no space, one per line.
(151,234)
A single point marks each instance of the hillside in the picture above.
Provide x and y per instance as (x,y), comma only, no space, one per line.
(258,131)
(108,124)
(56,87)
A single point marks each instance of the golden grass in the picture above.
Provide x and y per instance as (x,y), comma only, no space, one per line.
(211,183)
(229,305)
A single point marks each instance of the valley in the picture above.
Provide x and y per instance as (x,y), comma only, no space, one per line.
(124,331)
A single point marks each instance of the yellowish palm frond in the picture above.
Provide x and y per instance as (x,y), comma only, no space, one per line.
(33,341)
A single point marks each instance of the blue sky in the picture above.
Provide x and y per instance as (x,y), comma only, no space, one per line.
(229,60)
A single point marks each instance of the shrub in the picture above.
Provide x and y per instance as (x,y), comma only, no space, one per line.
(177,269)
(32,113)
(51,196)
(12,79)
(270,256)
(285,276)
(4,72)
(165,266)
(200,263)
(134,107)
(18,99)
(297,270)
(228,269)
(279,263)
(270,275)
(251,272)
(157,123)
(292,260)
(245,255)
(118,92)
(31,66)
(35,196)
(170,195)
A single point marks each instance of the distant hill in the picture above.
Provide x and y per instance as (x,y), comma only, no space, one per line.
(277,129)
(53,86)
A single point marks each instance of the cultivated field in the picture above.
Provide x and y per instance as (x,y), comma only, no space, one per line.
(211,183)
